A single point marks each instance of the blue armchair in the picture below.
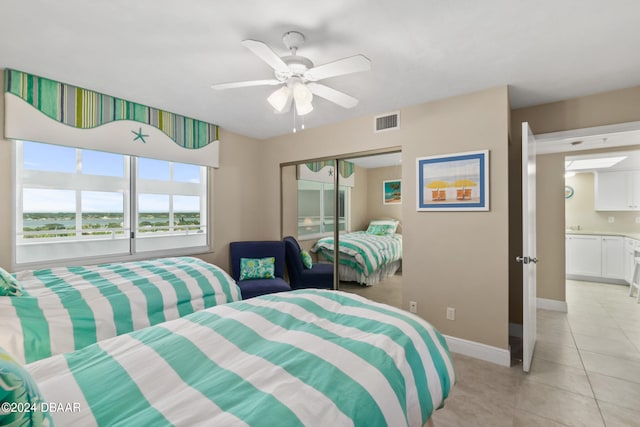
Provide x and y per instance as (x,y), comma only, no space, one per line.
(258,249)
(318,276)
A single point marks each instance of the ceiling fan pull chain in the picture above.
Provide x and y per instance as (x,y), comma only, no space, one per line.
(294,118)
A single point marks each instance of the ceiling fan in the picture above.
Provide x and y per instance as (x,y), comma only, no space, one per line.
(299,76)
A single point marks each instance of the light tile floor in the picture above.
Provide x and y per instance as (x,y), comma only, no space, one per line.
(585,370)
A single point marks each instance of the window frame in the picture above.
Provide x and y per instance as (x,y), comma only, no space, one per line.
(130,214)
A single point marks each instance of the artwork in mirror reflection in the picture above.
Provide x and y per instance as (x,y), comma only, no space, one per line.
(392,192)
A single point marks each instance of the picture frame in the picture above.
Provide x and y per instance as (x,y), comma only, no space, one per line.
(453,182)
(392,192)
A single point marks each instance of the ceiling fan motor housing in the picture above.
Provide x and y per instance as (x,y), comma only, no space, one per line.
(298,65)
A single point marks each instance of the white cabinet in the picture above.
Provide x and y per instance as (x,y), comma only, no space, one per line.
(601,257)
(617,191)
(584,255)
(613,257)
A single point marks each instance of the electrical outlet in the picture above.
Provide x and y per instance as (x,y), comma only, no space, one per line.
(413,306)
(451,313)
(612,219)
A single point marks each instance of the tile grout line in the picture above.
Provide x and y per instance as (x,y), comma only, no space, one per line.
(584,368)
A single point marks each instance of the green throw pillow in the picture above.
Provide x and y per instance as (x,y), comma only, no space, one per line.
(382,227)
(20,390)
(257,268)
(9,286)
(306,259)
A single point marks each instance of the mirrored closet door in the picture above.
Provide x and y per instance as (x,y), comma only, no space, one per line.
(362,218)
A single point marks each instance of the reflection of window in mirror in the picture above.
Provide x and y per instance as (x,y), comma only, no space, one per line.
(315,209)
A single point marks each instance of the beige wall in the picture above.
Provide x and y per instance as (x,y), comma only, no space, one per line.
(451,259)
(238,196)
(596,110)
(550,221)
(376,209)
(580,209)
(359,202)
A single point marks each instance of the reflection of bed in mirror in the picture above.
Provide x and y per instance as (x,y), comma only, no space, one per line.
(366,257)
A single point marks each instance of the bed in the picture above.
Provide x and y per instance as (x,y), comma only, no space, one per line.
(366,257)
(63,309)
(305,357)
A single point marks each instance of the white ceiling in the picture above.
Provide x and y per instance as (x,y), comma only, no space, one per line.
(167,53)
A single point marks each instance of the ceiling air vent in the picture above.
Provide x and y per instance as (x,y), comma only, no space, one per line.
(387,122)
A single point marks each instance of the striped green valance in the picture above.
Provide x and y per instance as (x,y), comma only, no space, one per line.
(85,109)
(324,171)
(345,168)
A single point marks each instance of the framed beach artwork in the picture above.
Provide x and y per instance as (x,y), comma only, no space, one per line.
(392,192)
(453,182)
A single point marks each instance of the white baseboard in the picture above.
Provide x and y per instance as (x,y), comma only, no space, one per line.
(551,304)
(479,351)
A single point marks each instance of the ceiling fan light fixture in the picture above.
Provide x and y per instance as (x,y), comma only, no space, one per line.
(303,108)
(279,98)
(302,94)
(303,97)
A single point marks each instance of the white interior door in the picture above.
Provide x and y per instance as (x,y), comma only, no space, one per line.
(528,257)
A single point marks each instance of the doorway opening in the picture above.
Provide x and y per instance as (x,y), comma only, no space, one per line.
(593,167)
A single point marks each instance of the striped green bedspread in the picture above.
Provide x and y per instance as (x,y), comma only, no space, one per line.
(365,252)
(306,357)
(68,308)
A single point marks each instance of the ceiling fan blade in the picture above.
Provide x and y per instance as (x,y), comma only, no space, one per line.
(233,85)
(352,64)
(340,98)
(265,53)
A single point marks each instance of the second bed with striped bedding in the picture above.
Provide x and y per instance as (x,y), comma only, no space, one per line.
(67,308)
(307,357)
(364,253)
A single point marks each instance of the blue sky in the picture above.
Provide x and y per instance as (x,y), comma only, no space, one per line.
(63,159)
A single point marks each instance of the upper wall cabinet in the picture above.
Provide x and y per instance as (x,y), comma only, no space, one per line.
(617,191)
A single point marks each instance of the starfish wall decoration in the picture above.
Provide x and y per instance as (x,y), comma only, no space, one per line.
(139,135)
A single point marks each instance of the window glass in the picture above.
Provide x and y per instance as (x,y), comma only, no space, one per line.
(153,169)
(47,157)
(186,173)
(100,163)
(153,212)
(103,212)
(70,215)
(47,213)
(186,212)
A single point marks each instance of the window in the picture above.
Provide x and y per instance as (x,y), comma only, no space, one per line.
(75,203)
(315,208)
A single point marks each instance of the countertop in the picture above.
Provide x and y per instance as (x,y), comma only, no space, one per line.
(631,235)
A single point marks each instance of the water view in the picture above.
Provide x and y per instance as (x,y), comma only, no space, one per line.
(37,224)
